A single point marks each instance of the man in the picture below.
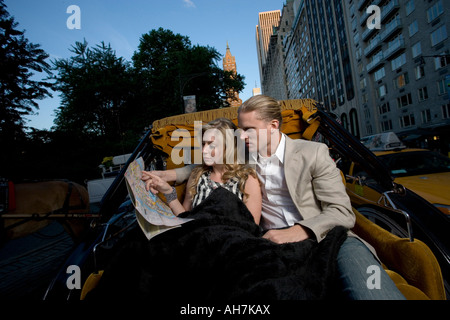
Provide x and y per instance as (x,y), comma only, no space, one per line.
(303,195)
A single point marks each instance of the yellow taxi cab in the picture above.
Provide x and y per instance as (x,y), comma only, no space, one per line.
(425,172)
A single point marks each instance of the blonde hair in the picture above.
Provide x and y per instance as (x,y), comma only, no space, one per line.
(267,108)
(234,169)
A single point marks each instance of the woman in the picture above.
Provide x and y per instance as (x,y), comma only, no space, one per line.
(215,172)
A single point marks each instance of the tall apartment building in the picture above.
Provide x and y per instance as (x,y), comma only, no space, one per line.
(401,68)
(267,21)
(273,78)
(317,58)
(391,78)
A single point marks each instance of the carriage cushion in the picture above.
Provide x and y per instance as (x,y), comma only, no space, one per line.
(90,283)
(411,265)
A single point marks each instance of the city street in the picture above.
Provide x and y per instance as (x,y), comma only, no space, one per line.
(28,264)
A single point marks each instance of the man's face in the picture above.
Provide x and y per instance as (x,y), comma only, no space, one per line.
(257,133)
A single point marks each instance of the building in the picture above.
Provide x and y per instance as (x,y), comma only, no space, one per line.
(377,70)
(317,57)
(229,64)
(256,91)
(267,21)
(402,67)
(273,80)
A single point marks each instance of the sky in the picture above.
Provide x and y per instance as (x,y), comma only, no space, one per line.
(121,23)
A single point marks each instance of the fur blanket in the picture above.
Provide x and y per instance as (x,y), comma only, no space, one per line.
(220,256)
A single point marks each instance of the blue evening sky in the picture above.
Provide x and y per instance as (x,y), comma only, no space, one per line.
(122,23)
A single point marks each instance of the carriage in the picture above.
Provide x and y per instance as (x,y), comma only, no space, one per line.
(419,263)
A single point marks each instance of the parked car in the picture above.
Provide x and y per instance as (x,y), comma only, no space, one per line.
(425,172)
(419,258)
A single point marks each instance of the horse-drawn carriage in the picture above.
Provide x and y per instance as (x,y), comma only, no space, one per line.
(419,264)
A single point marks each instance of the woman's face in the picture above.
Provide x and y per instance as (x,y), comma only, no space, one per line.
(212,149)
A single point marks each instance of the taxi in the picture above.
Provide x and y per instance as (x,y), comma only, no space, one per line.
(425,172)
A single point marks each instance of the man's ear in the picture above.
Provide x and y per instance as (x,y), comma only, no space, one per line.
(274,124)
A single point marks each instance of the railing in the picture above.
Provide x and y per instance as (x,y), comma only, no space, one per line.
(376,61)
(372,45)
(397,44)
(390,28)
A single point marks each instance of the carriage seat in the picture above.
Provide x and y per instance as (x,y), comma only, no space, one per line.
(411,265)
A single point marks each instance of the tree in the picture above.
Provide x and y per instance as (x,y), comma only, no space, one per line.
(170,67)
(18,91)
(94,85)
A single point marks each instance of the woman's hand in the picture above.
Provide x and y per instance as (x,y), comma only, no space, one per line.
(155,182)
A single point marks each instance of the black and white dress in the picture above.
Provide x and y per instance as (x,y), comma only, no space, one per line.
(205,186)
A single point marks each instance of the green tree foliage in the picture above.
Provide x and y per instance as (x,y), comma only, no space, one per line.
(95,86)
(19,61)
(169,67)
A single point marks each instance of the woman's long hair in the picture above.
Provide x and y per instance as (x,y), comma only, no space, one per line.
(233,169)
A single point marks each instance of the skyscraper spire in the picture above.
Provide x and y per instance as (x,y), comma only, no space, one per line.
(229,64)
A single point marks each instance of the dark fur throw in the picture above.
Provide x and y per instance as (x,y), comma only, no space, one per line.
(220,256)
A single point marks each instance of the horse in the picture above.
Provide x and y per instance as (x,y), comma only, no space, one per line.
(33,206)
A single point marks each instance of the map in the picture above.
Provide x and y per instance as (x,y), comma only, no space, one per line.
(153,215)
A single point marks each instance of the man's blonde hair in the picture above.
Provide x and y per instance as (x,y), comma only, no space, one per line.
(267,108)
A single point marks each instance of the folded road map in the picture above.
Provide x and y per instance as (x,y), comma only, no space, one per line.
(152,214)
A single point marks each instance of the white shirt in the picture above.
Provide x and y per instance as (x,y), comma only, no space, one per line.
(278,209)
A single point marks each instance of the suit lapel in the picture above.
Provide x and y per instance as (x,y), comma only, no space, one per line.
(292,167)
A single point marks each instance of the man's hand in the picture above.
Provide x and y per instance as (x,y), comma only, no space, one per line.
(292,234)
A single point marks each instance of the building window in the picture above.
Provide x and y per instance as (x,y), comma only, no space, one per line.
(407,121)
(413,28)
(440,62)
(439,35)
(379,74)
(445,111)
(398,62)
(384,108)
(422,93)
(416,49)
(419,72)
(365,98)
(381,91)
(441,87)
(410,7)
(362,83)
(358,53)
(426,115)
(435,11)
(360,67)
(401,81)
(404,100)
(386,125)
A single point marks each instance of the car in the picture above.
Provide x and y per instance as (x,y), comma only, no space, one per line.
(413,245)
(422,171)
